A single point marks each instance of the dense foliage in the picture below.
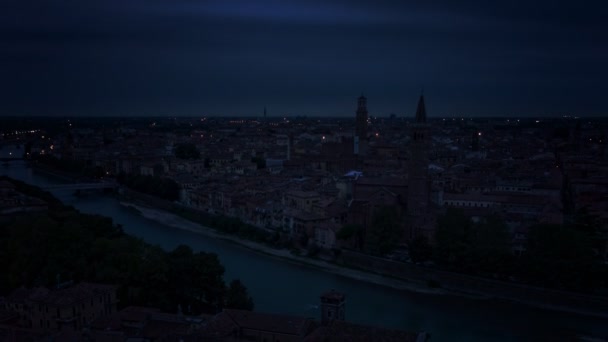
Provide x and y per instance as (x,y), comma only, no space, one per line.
(472,247)
(353,233)
(238,296)
(385,231)
(558,256)
(164,188)
(63,244)
(420,249)
(561,256)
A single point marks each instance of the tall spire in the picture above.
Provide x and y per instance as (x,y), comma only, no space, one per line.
(362,103)
(421,111)
(418,182)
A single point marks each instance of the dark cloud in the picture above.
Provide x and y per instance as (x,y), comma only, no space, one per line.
(233,57)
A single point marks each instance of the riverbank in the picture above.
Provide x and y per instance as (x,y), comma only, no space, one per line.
(178,222)
(454,284)
(51,171)
(396,275)
(284,287)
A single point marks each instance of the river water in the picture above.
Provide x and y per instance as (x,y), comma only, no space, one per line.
(278,286)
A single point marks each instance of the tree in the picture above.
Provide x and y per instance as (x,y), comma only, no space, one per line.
(481,247)
(491,234)
(420,249)
(385,232)
(490,247)
(38,248)
(559,256)
(590,225)
(353,233)
(237,296)
(453,238)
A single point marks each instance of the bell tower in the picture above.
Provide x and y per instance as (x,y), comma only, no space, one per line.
(418,184)
(361,119)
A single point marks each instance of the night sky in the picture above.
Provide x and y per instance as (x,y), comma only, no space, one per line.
(233,57)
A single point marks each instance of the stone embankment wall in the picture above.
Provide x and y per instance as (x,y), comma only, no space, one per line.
(539,297)
(148,200)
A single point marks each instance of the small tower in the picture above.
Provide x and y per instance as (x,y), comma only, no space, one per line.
(332,306)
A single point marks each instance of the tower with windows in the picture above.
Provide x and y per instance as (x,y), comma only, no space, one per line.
(418,184)
(361,119)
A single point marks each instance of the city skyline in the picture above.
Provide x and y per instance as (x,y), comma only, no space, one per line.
(232,58)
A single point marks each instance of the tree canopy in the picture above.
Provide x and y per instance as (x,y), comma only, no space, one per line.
(480,248)
(560,256)
(564,256)
(385,231)
(237,297)
(420,249)
(37,249)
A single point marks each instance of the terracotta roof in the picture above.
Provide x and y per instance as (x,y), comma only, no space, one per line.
(388,182)
(302,194)
(136,313)
(6,315)
(158,328)
(302,215)
(351,332)
(69,295)
(19,295)
(107,336)
(283,324)
(220,326)
(6,185)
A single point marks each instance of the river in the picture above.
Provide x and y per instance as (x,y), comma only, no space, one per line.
(278,286)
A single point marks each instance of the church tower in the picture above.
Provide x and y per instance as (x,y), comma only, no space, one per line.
(361,121)
(418,185)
